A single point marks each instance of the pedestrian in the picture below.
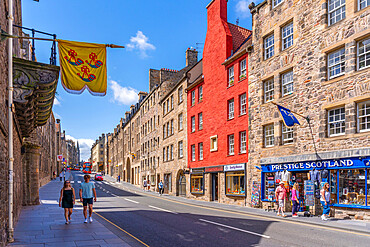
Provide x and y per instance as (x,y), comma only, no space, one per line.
(145,183)
(160,187)
(295,200)
(148,185)
(119,178)
(67,200)
(87,192)
(61,176)
(54,175)
(325,201)
(280,195)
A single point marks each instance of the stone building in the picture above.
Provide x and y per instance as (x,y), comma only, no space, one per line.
(173,147)
(116,151)
(97,154)
(311,57)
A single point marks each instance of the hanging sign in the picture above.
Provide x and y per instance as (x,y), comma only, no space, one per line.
(236,167)
(59,157)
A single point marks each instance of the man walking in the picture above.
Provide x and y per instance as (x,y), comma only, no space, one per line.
(145,183)
(160,187)
(280,195)
(87,191)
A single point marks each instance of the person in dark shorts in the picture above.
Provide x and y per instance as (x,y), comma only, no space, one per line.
(67,200)
(87,191)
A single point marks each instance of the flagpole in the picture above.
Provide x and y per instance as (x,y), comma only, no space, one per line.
(10,119)
(291,111)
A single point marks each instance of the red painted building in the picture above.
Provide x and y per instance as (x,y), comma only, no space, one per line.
(217,112)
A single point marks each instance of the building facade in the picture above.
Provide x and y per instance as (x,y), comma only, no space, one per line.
(217,113)
(98,151)
(311,57)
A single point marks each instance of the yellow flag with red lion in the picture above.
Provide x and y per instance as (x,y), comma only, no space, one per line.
(83,66)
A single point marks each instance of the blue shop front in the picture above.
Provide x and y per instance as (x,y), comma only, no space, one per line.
(349,180)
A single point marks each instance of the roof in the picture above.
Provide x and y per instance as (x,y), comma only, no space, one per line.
(240,51)
(239,35)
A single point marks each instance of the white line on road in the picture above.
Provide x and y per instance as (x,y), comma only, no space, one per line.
(113,194)
(130,200)
(162,209)
(234,228)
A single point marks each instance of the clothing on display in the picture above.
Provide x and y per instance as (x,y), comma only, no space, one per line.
(324,174)
(277,175)
(285,176)
(315,175)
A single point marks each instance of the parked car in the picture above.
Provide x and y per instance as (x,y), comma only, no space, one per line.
(98,177)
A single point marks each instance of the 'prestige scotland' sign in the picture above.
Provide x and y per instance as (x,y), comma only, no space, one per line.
(328,164)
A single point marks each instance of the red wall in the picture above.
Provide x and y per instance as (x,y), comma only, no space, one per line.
(217,49)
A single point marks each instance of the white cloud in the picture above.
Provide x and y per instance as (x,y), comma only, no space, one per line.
(242,8)
(140,42)
(85,146)
(123,95)
(56,101)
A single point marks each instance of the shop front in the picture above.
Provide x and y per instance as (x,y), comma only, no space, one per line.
(235,180)
(197,181)
(349,180)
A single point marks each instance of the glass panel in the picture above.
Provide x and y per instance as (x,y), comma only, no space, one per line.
(352,187)
(235,183)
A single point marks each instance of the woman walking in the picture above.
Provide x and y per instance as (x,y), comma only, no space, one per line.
(325,201)
(295,200)
(67,200)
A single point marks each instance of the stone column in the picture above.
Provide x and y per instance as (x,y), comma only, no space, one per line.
(31,160)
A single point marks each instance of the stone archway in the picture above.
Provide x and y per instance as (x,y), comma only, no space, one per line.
(128,169)
(180,183)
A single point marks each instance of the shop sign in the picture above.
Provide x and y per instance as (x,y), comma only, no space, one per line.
(196,171)
(328,164)
(236,167)
(214,169)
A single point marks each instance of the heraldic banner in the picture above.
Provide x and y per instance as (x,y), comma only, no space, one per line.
(83,66)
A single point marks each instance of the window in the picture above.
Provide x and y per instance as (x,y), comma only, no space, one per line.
(363,4)
(269,46)
(181,149)
(192,152)
(193,97)
(235,183)
(213,143)
(231,76)
(172,102)
(168,129)
(168,105)
(287,36)
(363,110)
(243,142)
(287,134)
(168,153)
(336,63)
(200,93)
(268,90)
(336,122)
(200,147)
(164,108)
(193,124)
(269,135)
(172,128)
(200,121)
(337,11)
(180,121)
(231,144)
(196,181)
(276,3)
(287,83)
(180,94)
(171,152)
(352,188)
(243,69)
(164,154)
(230,103)
(243,104)
(164,131)
(363,54)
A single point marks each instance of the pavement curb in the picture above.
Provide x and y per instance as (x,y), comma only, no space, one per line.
(252,213)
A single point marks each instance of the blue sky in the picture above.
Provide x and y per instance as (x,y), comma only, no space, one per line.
(156,34)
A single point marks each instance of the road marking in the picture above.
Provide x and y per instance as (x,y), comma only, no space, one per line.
(72,182)
(234,228)
(113,194)
(165,210)
(79,182)
(130,200)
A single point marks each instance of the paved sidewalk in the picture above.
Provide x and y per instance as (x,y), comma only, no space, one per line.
(44,225)
(349,225)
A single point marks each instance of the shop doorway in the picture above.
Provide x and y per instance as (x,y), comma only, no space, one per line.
(181,184)
(167,185)
(128,169)
(214,191)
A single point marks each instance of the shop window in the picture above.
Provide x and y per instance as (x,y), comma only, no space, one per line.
(231,76)
(268,44)
(287,36)
(200,147)
(363,110)
(193,124)
(243,142)
(181,149)
(192,97)
(231,144)
(276,3)
(192,152)
(363,54)
(235,183)
(352,187)
(213,143)
(200,121)
(336,10)
(243,104)
(336,122)
(230,109)
(196,182)
(287,83)
(287,134)
(269,186)
(243,69)
(200,93)
(268,87)
(336,63)
(363,4)
(269,135)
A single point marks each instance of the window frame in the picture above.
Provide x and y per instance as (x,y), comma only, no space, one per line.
(181,149)
(193,97)
(266,48)
(359,5)
(270,91)
(243,69)
(180,95)
(269,136)
(287,83)
(366,53)
(200,152)
(276,4)
(231,144)
(286,131)
(230,109)
(329,123)
(192,152)
(286,39)
(341,63)
(200,121)
(231,76)
(241,105)
(200,93)
(192,124)
(180,121)
(334,10)
(243,143)
(231,175)
(366,116)
(199,177)
(214,143)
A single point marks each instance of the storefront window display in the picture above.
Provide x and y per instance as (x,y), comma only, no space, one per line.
(352,187)
(235,183)
(197,183)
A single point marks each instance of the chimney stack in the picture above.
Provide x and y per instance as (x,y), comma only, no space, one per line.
(191,57)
